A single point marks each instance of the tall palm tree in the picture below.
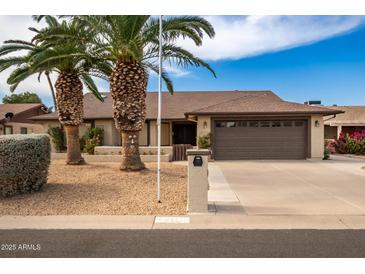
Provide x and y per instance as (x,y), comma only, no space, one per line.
(131,43)
(58,51)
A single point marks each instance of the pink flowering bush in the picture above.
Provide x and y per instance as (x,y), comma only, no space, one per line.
(329,145)
(352,143)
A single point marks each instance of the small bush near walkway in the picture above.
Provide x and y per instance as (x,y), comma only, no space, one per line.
(58,138)
(204,141)
(93,138)
(353,143)
(24,163)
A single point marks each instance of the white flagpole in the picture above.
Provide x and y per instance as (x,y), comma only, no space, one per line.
(159,113)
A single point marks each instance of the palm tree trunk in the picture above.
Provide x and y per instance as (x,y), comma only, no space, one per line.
(131,160)
(128,83)
(52,90)
(70,113)
(73,146)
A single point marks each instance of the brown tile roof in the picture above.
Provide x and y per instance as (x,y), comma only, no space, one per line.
(15,109)
(177,105)
(262,103)
(352,115)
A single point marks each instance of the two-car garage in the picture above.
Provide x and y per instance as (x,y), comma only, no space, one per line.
(238,139)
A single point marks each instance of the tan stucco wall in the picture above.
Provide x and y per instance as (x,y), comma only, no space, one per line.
(111,135)
(316,136)
(45,125)
(143,136)
(32,128)
(202,130)
(166,133)
(153,133)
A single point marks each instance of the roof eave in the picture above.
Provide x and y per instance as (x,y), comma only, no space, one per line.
(266,113)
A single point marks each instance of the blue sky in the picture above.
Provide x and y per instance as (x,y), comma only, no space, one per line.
(332,70)
(298,57)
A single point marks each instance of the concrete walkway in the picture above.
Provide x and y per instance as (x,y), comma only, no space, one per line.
(219,189)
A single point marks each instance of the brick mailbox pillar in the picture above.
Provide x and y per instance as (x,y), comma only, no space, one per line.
(197,180)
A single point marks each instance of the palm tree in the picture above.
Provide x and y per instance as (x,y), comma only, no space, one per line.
(6,63)
(131,44)
(57,50)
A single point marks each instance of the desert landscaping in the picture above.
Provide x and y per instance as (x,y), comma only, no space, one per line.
(102,189)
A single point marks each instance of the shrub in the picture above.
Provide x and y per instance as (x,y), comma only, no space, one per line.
(24,163)
(90,145)
(82,143)
(326,154)
(352,143)
(93,138)
(204,141)
(58,138)
(330,144)
(95,132)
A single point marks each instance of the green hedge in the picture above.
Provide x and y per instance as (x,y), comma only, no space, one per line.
(24,163)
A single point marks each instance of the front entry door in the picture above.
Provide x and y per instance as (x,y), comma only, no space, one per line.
(184,134)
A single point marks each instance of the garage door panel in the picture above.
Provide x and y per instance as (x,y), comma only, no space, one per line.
(272,141)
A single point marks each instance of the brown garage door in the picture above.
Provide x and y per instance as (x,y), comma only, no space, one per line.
(279,139)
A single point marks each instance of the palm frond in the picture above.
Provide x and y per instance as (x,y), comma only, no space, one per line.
(8,62)
(179,56)
(164,76)
(90,84)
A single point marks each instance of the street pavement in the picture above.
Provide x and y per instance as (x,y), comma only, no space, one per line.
(182,243)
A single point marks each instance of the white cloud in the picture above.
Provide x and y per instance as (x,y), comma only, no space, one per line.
(243,36)
(176,71)
(16,27)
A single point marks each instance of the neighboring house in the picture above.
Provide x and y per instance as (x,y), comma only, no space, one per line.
(353,119)
(242,124)
(14,118)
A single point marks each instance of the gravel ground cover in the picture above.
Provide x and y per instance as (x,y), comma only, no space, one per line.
(102,189)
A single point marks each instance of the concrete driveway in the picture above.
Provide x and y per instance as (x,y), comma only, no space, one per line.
(334,187)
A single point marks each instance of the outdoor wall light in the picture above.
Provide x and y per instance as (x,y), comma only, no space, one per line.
(205,124)
(316,123)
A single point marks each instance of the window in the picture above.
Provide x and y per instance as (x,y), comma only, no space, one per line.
(243,123)
(23,130)
(8,130)
(264,124)
(287,123)
(253,124)
(231,124)
(298,123)
(276,124)
(220,124)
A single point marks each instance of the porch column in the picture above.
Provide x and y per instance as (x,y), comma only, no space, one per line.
(339,130)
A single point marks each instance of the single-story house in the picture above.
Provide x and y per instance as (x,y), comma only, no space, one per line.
(14,118)
(242,124)
(351,120)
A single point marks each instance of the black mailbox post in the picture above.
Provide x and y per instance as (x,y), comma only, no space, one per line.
(198,161)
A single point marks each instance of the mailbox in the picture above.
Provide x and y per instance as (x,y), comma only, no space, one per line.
(197,180)
(198,161)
